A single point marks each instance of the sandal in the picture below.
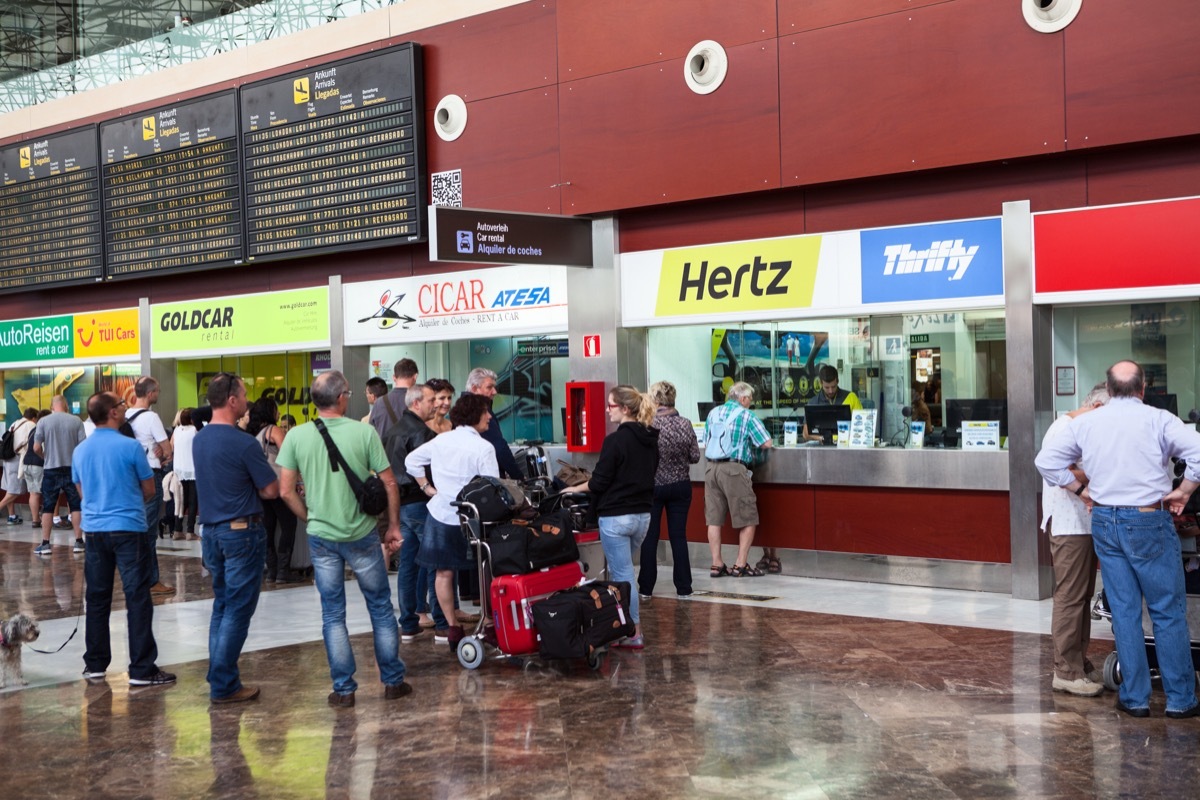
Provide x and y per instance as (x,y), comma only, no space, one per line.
(745,571)
(774,565)
(764,563)
(718,572)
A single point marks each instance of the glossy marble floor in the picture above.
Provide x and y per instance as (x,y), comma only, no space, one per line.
(800,688)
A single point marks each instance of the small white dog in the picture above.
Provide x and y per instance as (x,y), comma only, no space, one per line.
(14,633)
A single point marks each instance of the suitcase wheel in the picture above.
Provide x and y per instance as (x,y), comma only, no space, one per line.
(470,652)
(1112,672)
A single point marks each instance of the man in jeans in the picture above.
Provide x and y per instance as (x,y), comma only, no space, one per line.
(114,480)
(405,436)
(340,534)
(232,479)
(55,439)
(1123,449)
(152,436)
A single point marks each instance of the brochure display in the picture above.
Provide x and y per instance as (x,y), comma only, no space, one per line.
(862,428)
(980,434)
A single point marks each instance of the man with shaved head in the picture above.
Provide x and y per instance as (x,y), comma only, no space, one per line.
(1125,450)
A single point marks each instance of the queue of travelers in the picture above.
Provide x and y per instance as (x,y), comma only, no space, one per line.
(245,480)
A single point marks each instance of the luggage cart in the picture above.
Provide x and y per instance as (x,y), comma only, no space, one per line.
(506,622)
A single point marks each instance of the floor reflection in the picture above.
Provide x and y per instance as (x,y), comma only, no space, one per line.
(726,701)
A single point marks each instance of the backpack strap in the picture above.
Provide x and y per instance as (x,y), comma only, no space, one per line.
(336,459)
(388,405)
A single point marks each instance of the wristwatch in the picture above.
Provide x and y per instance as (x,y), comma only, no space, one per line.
(1078,491)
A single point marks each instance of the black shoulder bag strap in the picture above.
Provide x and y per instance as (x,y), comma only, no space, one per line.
(391,411)
(335,458)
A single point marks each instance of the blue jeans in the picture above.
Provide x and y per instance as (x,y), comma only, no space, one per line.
(620,537)
(1140,557)
(125,551)
(235,558)
(413,582)
(675,499)
(365,557)
(153,515)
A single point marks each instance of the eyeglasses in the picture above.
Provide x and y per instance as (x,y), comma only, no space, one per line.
(611,406)
(348,393)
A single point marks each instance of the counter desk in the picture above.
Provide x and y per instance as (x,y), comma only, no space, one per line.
(929,517)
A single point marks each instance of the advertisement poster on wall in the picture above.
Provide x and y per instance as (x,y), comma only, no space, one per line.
(783,370)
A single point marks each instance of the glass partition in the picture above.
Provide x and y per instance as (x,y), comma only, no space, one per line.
(34,387)
(905,366)
(1162,337)
(532,372)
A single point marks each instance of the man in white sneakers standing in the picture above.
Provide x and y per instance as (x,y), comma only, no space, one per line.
(152,436)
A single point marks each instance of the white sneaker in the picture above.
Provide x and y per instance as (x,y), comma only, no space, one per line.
(1080,686)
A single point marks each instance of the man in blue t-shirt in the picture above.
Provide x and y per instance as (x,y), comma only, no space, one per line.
(232,479)
(114,481)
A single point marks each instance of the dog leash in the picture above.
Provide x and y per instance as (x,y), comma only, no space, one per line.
(78,616)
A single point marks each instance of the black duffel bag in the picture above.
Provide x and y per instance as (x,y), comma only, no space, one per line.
(583,513)
(605,612)
(559,622)
(508,546)
(521,547)
(490,497)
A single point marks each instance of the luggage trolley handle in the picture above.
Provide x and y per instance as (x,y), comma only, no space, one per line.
(468,520)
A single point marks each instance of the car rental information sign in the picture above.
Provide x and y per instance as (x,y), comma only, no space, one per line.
(252,323)
(885,270)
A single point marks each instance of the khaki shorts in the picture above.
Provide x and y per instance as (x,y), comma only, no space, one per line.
(728,490)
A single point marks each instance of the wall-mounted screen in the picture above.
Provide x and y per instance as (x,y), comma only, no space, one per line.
(171,197)
(334,156)
(50,207)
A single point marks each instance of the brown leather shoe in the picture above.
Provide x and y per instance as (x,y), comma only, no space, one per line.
(162,588)
(463,618)
(242,695)
(396,691)
(341,700)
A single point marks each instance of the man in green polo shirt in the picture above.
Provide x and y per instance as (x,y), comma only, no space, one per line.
(340,534)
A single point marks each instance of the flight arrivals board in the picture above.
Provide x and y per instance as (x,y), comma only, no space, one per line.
(334,157)
(50,226)
(171,188)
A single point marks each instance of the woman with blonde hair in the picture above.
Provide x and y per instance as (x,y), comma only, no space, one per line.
(623,485)
(677,450)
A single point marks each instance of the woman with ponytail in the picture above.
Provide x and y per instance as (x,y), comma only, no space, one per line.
(623,486)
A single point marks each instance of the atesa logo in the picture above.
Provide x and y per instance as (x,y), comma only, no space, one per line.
(528,296)
(948,256)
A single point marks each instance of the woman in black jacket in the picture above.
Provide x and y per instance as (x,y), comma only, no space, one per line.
(623,485)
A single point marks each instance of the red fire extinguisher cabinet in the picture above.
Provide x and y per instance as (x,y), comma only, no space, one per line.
(586,420)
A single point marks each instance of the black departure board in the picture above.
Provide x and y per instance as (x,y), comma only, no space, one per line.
(171,188)
(334,156)
(50,229)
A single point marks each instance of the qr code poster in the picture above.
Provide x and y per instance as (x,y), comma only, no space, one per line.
(447,188)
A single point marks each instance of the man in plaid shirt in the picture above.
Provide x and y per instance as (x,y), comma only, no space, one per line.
(730,432)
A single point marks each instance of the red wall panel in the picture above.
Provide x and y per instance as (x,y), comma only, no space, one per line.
(806,15)
(507,50)
(873,202)
(947,84)
(1130,175)
(508,152)
(1132,72)
(640,136)
(921,523)
(601,36)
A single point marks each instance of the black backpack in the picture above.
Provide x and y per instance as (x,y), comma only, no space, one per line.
(490,497)
(127,426)
(7,449)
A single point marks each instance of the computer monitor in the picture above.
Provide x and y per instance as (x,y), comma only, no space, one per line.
(704,409)
(823,419)
(959,409)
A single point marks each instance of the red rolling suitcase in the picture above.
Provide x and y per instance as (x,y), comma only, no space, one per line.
(514,595)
